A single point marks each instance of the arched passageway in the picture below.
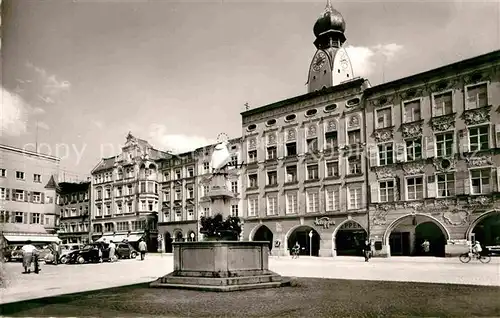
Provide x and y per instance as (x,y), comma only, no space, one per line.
(406,235)
(350,239)
(179,237)
(168,242)
(263,233)
(487,230)
(309,245)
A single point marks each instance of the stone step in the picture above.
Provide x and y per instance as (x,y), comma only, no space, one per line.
(217,281)
(223,288)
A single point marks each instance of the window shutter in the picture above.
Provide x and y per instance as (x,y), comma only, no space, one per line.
(41,218)
(31,196)
(30,218)
(497,135)
(12,217)
(364,196)
(431,187)
(26,196)
(400,152)
(346,166)
(7,194)
(373,154)
(42,198)
(429,147)
(25,217)
(467,183)
(463,140)
(374,192)
(498,178)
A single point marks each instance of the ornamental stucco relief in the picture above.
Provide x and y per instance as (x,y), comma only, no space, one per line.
(417,206)
(444,165)
(384,173)
(412,130)
(290,134)
(252,143)
(443,123)
(479,161)
(476,116)
(353,122)
(311,130)
(456,217)
(383,135)
(331,125)
(271,139)
(413,168)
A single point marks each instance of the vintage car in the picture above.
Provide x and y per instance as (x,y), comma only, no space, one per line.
(13,253)
(88,254)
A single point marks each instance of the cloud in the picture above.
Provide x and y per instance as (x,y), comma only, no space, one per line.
(14,113)
(176,143)
(51,85)
(43,125)
(38,111)
(365,59)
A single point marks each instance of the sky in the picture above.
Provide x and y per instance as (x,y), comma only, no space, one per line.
(78,75)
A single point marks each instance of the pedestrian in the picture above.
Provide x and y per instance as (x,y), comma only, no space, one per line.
(426,246)
(112,248)
(56,250)
(28,250)
(142,248)
(367,250)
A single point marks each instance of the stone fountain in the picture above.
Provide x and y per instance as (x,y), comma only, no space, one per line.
(221,265)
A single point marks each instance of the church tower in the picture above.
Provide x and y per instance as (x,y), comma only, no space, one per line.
(330,65)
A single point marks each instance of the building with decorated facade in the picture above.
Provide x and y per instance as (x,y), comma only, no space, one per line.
(74,204)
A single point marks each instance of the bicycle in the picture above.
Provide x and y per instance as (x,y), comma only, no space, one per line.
(467,257)
(295,253)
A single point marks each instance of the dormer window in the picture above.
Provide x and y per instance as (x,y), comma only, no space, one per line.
(251,127)
(353,102)
(290,117)
(311,112)
(330,108)
(271,122)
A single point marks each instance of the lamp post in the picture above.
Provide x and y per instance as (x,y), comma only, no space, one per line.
(310,242)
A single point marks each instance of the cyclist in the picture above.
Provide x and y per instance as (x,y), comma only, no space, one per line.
(476,248)
(296,250)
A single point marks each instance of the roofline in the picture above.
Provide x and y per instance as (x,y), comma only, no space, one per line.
(29,152)
(96,166)
(459,65)
(357,81)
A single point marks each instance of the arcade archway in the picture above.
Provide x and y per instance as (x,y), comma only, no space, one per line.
(263,233)
(168,242)
(406,235)
(486,229)
(179,237)
(350,239)
(308,245)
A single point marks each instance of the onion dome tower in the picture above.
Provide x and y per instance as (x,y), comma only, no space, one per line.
(330,65)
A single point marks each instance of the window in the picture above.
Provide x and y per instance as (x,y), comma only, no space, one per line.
(291,148)
(443,104)
(151,206)
(206,167)
(130,191)
(178,194)
(119,174)
(291,202)
(480,180)
(143,205)
(272,205)
(412,111)
(252,181)
(291,174)
(178,174)
(190,171)
(414,188)
(252,206)
(190,193)
(119,191)
(37,178)
(129,207)
(37,197)
(331,140)
(206,189)
(206,211)
(312,144)
(234,160)
(312,201)
(446,185)
(272,178)
(332,169)
(190,214)
(107,209)
(477,96)
(354,136)
(108,193)
(122,226)
(385,154)
(479,138)
(18,217)
(19,175)
(19,195)
(332,199)
(444,144)
(234,210)
(355,196)
(384,118)
(119,208)
(354,163)
(252,156)
(166,196)
(386,191)
(271,153)
(312,172)
(3,173)
(166,176)
(35,218)
(3,193)
(413,149)
(234,186)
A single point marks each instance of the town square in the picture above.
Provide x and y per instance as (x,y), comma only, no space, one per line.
(321,158)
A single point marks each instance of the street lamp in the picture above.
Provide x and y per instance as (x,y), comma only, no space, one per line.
(192,236)
(310,242)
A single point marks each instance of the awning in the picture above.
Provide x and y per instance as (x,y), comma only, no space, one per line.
(32,238)
(120,238)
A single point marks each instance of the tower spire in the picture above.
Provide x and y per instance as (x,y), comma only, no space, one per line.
(328,6)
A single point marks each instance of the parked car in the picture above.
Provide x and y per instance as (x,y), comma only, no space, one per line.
(89,254)
(13,253)
(125,250)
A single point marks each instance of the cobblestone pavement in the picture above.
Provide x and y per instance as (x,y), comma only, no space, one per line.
(64,279)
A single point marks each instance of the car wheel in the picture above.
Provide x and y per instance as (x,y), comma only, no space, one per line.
(63,260)
(80,260)
(133,255)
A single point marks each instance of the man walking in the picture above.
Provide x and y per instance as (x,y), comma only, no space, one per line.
(28,251)
(112,248)
(56,249)
(142,248)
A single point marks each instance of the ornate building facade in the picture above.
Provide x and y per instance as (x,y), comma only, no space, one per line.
(185,186)
(433,142)
(28,195)
(74,204)
(125,197)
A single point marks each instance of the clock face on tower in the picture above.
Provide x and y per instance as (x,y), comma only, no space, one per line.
(319,61)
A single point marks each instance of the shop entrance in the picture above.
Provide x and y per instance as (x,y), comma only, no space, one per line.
(263,233)
(487,230)
(350,239)
(308,245)
(168,242)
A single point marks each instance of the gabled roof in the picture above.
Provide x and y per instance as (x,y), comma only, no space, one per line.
(104,164)
(52,184)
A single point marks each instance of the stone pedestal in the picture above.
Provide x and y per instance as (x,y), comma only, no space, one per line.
(221,266)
